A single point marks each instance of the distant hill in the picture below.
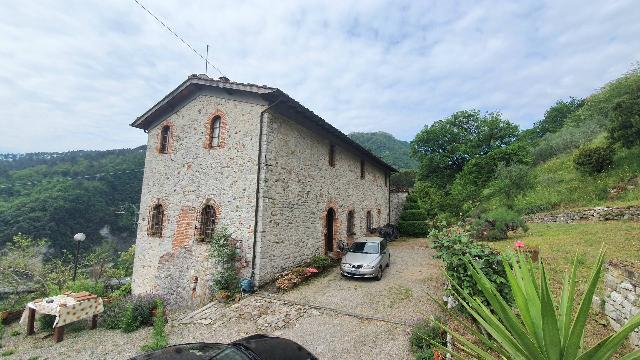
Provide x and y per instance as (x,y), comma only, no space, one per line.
(55,195)
(388,148)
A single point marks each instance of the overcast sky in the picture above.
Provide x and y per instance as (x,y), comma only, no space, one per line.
(75,74)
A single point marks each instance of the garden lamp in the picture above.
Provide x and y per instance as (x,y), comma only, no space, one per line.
(78,238)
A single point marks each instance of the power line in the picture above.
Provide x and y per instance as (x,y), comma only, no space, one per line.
(85,177)
(179,37)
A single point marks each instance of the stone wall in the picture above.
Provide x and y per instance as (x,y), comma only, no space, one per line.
(183,181)
(621,298)
(398,200)
(593,214)
(299,186)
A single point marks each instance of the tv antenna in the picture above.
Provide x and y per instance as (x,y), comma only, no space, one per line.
(206,62)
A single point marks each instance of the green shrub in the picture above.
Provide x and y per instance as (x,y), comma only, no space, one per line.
(625,122)
(594,159)
(413,228)
(413,215)
(320,262)
(412,206)
(423,337)
(122,291)
(111,317)
(129,313)
(496,224)
(77,286)
(224,252)
(45,322)
(158,335)
(454,247)
(538,327)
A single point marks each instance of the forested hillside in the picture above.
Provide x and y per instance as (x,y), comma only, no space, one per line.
(55,195)
(584,152)
(395,152)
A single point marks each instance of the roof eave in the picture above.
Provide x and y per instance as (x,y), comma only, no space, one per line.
(318,121)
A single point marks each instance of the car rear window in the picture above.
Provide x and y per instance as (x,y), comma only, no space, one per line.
(362,247)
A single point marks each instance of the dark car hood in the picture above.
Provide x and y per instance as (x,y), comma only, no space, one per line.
(274,348)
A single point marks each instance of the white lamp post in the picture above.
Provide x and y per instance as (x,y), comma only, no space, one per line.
(78,238)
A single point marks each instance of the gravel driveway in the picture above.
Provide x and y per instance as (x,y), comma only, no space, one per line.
(333,317)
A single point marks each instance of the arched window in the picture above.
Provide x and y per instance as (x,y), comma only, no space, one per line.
(155,221)
(215,131)
(369,221)
(164,139)
(207,222)
(351,223)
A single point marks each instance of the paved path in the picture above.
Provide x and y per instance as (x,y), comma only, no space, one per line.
(332,316)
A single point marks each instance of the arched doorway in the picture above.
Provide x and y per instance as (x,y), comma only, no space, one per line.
(328,237)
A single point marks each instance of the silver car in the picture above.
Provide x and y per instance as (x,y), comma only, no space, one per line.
(367,257)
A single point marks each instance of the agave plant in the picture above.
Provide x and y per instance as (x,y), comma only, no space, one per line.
(537,328)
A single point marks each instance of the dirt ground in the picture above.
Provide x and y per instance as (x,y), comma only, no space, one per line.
(333,317)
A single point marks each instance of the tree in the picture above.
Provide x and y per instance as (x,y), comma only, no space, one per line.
(556,116)
(403,179)
(470,183)
(21,263)
(448,144)
(625,122)
(509,183)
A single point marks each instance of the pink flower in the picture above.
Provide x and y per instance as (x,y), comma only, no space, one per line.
(519,244)
(311,270)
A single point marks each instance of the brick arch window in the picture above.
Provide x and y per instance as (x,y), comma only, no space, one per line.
(351,223)
(208,221)
(156,220)
(369,221)
(214,138)
(215,130)
(165,135)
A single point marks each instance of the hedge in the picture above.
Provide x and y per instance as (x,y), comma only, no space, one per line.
(411,206)
(413,228)
(413,215)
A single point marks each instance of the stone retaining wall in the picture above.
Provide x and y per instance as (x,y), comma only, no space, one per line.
(621,299)
(593,214)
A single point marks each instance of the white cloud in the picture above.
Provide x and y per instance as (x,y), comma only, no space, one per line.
(75,74)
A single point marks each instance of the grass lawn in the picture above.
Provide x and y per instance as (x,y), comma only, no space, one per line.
(560,186)
(560,243)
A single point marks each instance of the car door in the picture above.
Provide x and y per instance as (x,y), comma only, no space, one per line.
(385,253)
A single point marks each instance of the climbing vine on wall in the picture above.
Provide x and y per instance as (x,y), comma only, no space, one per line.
(223,251)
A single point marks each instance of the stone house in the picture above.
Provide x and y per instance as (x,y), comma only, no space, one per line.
(284,182)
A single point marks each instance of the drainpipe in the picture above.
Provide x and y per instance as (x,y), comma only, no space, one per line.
(389,194)
(259,172)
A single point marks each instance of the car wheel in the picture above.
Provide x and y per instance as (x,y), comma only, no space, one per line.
(379,275)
